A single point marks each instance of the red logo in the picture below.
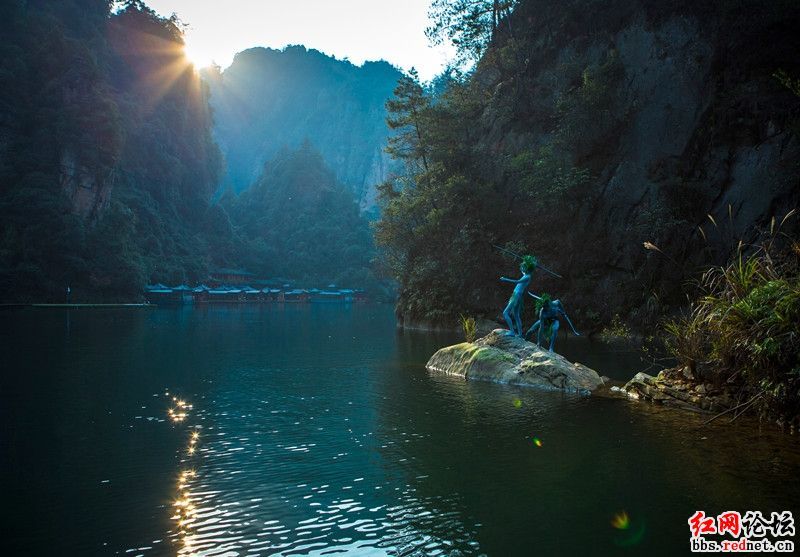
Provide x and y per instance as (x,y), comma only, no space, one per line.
(699,524)
(730,521)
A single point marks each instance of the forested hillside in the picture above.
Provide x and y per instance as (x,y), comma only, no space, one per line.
(268,99)
(627,144)
(106,158)
(108,168)
(298,221)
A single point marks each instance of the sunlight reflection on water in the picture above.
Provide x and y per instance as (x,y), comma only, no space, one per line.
(318,431)
(342,517)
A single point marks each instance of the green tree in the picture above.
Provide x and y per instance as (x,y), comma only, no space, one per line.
(407,113)
(470,25)
(297,221)
(106,157)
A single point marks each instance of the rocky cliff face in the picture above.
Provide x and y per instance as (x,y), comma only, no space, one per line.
(698,136)
(677,87)
(88,193)
(268,99)
(597,130)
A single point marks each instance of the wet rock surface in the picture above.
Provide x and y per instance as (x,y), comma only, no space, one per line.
(502,358)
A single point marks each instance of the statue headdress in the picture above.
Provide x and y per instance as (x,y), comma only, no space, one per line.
(529,263)
(543,300)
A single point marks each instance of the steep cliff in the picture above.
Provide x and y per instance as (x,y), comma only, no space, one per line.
(702,128)
(594,128)
(268,99)
(107,165)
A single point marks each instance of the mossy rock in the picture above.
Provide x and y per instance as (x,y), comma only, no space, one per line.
(501,358)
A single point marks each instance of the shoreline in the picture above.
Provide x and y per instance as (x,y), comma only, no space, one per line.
(67,306)
(20,305)
(672,389)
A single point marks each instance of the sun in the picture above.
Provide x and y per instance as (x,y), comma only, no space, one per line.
(199,53)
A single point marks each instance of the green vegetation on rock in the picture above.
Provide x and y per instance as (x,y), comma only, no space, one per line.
(582,132)
(469,327)
(743,329)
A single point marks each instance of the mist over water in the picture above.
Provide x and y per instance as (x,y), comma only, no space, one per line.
(313,429)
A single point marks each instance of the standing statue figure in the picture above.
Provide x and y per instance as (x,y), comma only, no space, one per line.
(550,313)
(513,312)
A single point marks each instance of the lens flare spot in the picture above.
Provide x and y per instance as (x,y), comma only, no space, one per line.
(621,521)
(632,534)
(517,403)
(537,441)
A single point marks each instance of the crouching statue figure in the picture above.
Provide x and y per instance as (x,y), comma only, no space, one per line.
(551,312)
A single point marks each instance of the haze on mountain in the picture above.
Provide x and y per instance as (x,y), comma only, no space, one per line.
(298,221)
(108,166)
(269,99)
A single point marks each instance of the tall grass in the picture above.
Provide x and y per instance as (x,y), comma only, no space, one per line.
(470,328)
(743,330)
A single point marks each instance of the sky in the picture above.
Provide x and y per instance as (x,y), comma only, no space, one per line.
(359,30)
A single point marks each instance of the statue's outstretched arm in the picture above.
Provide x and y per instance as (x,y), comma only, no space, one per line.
(571,326)
(515,281)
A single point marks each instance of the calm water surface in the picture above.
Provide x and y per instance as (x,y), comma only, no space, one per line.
(315,430)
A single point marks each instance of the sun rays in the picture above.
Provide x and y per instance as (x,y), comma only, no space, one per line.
(156,52)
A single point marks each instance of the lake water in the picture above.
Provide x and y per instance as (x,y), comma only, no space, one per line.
(316,430)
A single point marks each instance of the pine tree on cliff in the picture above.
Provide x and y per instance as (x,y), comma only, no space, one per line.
(407,111)
(470,25)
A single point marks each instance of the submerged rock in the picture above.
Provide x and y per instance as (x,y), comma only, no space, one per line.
(501,358)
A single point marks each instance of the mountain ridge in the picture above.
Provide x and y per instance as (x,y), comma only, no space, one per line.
(269,98)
